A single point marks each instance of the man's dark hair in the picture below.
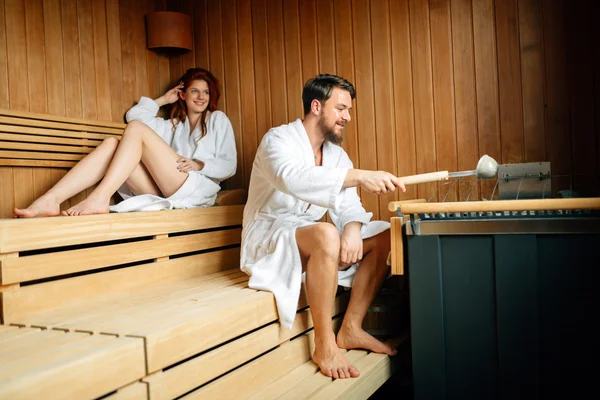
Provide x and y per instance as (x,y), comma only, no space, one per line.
(320,88)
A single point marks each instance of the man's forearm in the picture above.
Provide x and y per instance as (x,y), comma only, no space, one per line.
(353,178)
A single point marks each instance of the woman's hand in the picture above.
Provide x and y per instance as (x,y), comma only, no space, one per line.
(187,164)
(171,96)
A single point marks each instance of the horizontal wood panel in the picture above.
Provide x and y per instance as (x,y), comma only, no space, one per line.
(29,268)
(25,130)
(48,139)
(32,155)
(34,147)
(26,304)
(113,362)
(32,163)
(29,234)
(59,125)
(57,118)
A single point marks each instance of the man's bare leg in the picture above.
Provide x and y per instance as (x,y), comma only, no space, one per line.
(367,282)
(319,247)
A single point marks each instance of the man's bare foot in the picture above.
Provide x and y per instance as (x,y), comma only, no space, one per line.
(357,338)
(88,206)
(332,362)
(42,207)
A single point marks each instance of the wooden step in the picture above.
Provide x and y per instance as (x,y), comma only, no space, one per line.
(52,364)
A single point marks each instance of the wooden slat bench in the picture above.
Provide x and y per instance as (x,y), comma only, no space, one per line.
(41,140)
(142,305)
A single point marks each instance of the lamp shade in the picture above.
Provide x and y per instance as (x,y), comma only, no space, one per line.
(169,30)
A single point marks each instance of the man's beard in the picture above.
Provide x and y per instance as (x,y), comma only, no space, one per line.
(330,135)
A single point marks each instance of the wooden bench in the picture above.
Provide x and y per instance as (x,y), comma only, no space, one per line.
(144,305)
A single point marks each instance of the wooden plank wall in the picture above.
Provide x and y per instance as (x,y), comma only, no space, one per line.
(75,58)
(439,82)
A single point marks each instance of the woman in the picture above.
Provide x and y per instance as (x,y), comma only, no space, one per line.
(158,163)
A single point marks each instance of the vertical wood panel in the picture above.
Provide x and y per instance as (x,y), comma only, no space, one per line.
(293,63)
(326,37)
(467,141)
(215,46)
(201,35)
(308,39)
(101,64)
(139,43)
(345,68)
(36,60)
(423,93)
(115,61)
(16,46)
(70,39)
(384,101)
(152,64)
(188,59)
(443,89)
(232,84)
(7,203)
(532,54)
(509,81)
(486,78)
(54,57)
(4,98)
(261,67)
(23,188)
(277,63)
(365,112)
(247,92)
(127,54)
(403,94)
(557,103)
(580,79)
(88,66)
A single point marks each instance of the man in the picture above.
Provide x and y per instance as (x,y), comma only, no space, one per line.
(298,174)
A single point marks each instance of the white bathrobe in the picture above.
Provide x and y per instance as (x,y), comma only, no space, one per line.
(284,182)
(216,149)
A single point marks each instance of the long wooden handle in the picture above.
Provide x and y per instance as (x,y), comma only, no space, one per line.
(424,178)
(503,205)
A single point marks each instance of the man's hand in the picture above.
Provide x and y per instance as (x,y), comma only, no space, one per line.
(351,246)
(379,182)
(187,164)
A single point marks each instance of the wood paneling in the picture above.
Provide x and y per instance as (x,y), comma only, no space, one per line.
(77,58)
(439,82)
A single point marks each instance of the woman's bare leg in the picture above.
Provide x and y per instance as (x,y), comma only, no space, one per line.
(139,144)
(84,174)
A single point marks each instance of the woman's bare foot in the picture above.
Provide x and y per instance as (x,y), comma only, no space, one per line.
(42,207)
(88,206)
(332,362)
(357,338)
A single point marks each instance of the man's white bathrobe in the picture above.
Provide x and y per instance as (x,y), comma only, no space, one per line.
(216,149)
(288,191)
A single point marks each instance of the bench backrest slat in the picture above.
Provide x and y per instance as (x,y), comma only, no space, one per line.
(28,138)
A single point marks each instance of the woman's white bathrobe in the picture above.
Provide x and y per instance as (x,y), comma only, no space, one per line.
(283,184)
(216,149)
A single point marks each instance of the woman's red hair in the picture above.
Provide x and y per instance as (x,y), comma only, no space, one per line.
(179,110)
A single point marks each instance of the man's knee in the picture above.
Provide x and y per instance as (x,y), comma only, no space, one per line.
(383,241)
(326,239)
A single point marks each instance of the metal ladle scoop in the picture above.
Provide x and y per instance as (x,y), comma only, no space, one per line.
(487,168)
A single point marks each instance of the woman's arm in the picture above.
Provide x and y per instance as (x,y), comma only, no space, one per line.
(224,163)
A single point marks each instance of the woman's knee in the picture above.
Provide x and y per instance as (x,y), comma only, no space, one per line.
(110,143)
(135,127)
